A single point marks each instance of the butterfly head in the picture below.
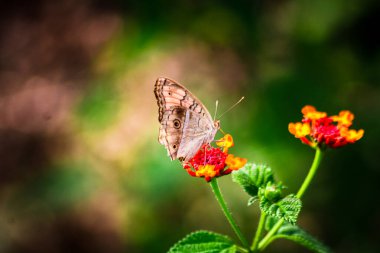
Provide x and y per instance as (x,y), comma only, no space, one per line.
(217,124)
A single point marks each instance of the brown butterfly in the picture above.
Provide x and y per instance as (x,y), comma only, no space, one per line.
(186,124)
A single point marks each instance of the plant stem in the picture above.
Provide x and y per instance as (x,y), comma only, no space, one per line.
(264,242)
(310,175)
(227,212)
(241,249)
(314,166)
(259,231)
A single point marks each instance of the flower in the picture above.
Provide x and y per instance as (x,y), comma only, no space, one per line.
(210,162)
(317,128)
(226,142)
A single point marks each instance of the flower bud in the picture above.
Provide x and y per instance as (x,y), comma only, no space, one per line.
(273,192)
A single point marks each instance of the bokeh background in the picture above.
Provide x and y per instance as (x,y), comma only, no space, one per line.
(81,169)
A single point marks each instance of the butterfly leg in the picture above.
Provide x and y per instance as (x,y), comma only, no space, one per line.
(204,163)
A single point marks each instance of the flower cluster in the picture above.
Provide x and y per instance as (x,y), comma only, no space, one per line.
(317,128)
(210,162)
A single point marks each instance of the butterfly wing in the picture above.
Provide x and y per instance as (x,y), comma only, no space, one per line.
(185,123)
(197,131)
(170,93)
(171,129)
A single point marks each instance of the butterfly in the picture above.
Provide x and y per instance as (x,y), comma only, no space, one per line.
(186,124)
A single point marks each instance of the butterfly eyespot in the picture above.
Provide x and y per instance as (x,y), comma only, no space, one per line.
(177,123)
(174,146)
(169,93)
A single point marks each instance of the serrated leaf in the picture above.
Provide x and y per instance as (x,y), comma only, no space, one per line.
(204,242)
(252,200)
(287,208)
(298,235)
(251,177)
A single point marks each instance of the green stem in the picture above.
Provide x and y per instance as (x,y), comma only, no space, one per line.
(310,175)
(314,166)
(241,249)
(227,212)
(259,231)
(265,241)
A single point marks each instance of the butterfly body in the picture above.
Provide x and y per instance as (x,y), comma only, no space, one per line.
(185,122)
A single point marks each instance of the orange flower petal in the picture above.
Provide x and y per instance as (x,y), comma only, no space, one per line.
(345,118)
(235,163)
(299,129)
(351,135)
(206,171)
(308,109)
(309,112)
(226,142)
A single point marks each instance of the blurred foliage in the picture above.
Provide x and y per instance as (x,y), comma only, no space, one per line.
(55,190)
(89,175)
(98,106)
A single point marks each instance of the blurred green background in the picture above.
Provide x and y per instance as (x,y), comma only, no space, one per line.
(81,169)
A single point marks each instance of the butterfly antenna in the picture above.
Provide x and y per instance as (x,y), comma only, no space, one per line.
(216,108)
(233,106)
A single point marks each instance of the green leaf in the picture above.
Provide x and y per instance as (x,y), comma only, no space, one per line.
(297,235)
(251,177)
(204,242)
(252,200)
(287,208)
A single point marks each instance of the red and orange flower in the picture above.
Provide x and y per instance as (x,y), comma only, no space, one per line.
(317,128)
(210,162)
